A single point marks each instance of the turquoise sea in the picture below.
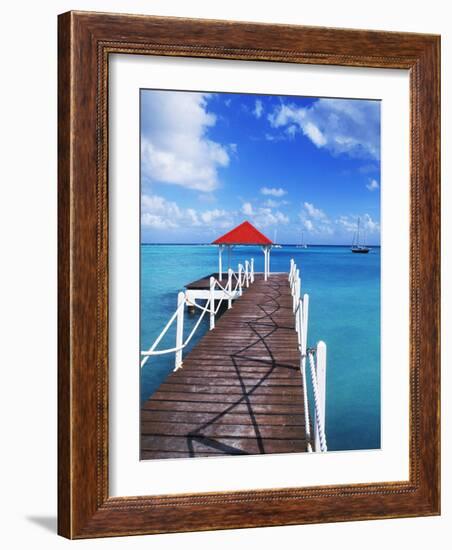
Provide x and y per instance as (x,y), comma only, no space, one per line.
(344,311)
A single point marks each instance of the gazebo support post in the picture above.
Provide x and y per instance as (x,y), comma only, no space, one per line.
(268,261)
(220,262)
(266,250)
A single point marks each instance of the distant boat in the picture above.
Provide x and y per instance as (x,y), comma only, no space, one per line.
(357,247)
(303,244)
(274,241)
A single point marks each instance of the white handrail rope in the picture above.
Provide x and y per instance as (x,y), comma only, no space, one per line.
(194,304)
(307,419)
(195,327)
(315,391)
(235,275)
(187,341)
(207,308)
(301,325)
(231,294)
(161,335)
(220,301)
(148,354)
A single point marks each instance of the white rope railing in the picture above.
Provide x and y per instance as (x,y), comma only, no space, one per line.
(318,391)
(317,370)
(244,277)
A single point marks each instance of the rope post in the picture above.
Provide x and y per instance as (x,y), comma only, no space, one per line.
(247,273)
(302,343)
(229,287)
(321,382)
(298,286)
(296,290)
(304,330)
(252,270)
(220,262)
(179,329)
(240,279)
(291,271)
(299,323)
(212,303)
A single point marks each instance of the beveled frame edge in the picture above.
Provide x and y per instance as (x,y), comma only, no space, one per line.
(84,44)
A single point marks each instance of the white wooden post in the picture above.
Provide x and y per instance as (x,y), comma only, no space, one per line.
(246,273)
(296,289)
(268,261)
(321,382)
(179,329)
(220,262)
(265,250)
(298,286)
(304,330)
(212,303)
(229,287)
(252,270)
(290,270)
(240,279)
(299,321)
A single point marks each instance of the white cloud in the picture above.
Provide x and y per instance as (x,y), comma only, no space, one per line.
(314,212)
(370,225)
(367,224)
(217,218)
(247,209)
(233,148)
(372,185)
(342,126)
(264,216)
(308,225)
(291,130)
(258,108)
(273,191)
(272,137)
(315,220)
(314,134)
(271,203)
(159,213)
(175,148)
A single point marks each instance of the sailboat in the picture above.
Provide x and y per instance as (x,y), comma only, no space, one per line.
(358,248)
(303,244)
(274,240)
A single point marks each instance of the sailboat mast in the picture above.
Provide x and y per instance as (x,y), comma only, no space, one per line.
(357,236)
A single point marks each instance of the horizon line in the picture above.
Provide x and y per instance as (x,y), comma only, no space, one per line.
(281,244)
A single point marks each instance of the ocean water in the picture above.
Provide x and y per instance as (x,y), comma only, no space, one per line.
(344,311)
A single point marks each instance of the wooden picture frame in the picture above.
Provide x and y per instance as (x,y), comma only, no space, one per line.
(86,40)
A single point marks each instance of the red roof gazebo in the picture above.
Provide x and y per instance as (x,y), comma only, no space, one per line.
(244,234)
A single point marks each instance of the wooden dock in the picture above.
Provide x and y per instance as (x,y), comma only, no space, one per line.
(239,390)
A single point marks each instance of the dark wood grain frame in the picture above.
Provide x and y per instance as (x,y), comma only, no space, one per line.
(85,42)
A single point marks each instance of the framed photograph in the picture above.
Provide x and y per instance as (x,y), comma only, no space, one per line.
(248,275)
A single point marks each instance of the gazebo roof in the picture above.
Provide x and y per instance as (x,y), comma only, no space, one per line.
(245,233)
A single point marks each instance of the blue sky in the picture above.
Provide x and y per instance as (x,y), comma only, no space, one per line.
(287,164)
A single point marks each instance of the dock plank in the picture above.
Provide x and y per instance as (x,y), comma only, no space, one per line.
(240,389)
